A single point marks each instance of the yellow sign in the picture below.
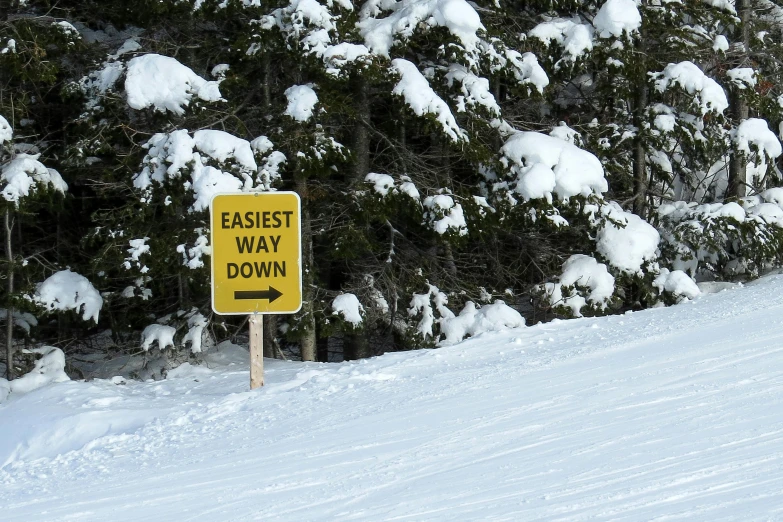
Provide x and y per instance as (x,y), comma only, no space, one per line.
(256,253)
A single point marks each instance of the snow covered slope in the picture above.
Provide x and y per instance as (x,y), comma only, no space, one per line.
(670,413)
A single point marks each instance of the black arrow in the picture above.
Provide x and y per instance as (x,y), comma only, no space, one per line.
(271,294)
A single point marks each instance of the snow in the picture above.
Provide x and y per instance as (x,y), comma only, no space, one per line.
(349,308)
(23,320)
(24,175)
(472,321)
(445,215)
(727,5)
(161,334)
(754,134)
(475,90)
(195,336)
(670,413)
(222,146)
(380,34)
(742,77)
(630,246)
(586,272)
(616,18)
(382,183)
(575,37)
(720,44)
(535,158)
(174,155)
(6,132)
(709,96)
(301,102)
(50,368)
(677,283)
(419,96)
(66,290)
(165,84)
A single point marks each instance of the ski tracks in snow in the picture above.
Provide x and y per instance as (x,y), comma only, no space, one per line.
(659,415)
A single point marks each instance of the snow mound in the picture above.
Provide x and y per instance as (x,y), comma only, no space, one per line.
(473,321)
(677,283)
(48,369)
(161,334)
(66,290)
(165,84)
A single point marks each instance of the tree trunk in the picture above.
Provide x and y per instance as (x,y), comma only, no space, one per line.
(737,183)
(356,344)
(9,319)
(639,153)
(270,336)
(307,341)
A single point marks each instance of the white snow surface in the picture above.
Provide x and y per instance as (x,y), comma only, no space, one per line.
(670,413)
(163,83)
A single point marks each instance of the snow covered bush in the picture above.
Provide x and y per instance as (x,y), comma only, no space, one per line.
(719,240)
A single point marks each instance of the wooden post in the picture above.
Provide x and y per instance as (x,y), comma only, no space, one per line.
(256,351)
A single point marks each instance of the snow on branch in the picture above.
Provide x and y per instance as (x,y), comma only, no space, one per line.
(66,290)
(24,174)
(543,165)
(348,307)
(420,97)
(617,17)
(165,84)
(380,34)
(176,155)
(302,99)
(627,241)
(589,281)
(475,90)
(6,132)
(709,96)
(575,37)
(444,215)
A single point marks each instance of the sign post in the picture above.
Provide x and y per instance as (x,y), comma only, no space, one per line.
(256,261)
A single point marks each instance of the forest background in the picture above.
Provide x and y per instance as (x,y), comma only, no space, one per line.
(462,165)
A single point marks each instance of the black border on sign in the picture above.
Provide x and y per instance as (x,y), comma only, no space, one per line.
(212,245)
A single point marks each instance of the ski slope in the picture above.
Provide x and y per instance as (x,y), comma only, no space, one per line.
(666,414)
